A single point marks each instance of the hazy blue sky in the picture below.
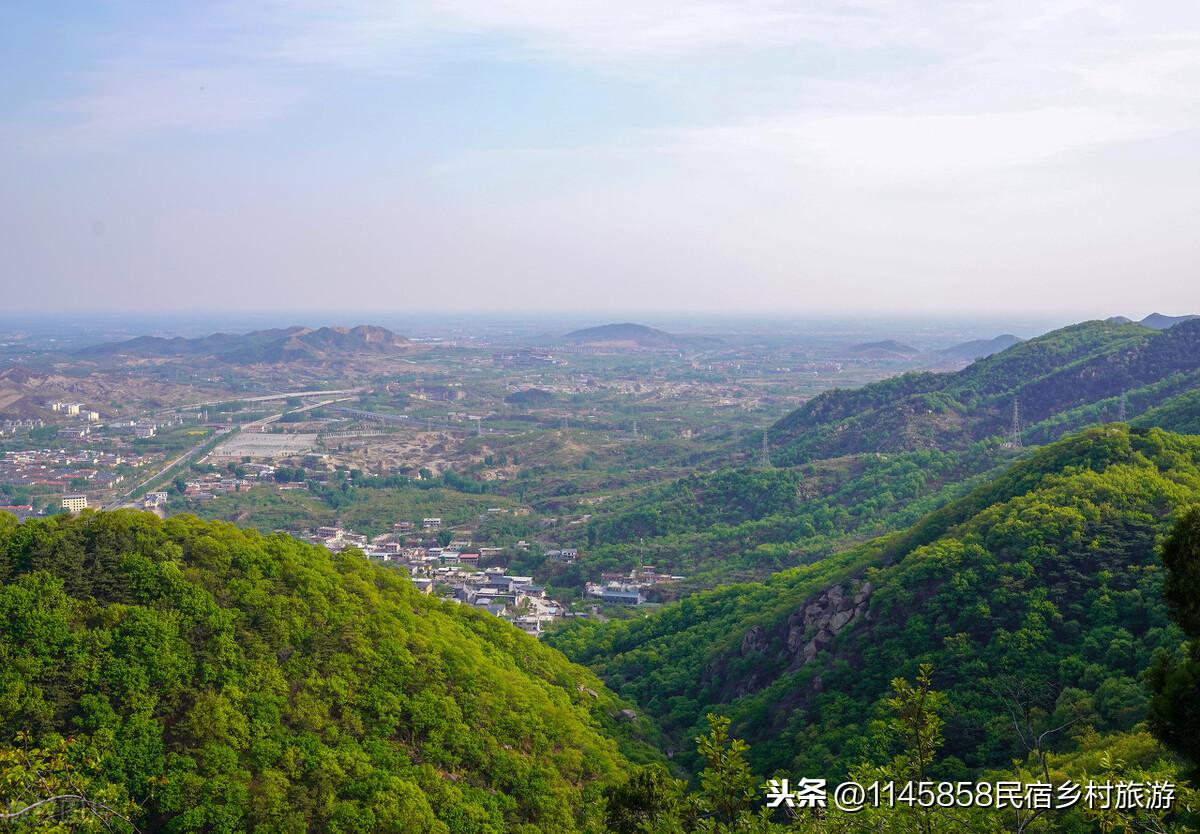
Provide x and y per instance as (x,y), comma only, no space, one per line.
(806,155)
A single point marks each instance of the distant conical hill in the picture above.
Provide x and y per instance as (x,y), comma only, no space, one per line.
(625,336)
(886,349)
(1160,322)
(979,348)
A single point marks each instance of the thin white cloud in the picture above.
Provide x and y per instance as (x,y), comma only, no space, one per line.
(946,56)
(1054,12)
(882,148)
(128,101)
(603,32)
(1168,72)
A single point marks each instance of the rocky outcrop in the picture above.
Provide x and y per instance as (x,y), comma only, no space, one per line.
(811,629)
(791,643)
(755,640)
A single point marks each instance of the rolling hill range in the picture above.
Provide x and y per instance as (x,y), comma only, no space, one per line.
(891,349)
(1064,380)
(228,681)
(1041,585)
(291,344)
(979,348)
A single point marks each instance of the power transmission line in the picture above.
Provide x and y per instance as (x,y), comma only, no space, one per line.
(1014,437)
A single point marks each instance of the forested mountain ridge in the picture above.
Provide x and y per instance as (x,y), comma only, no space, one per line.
(1043,584)
(227,681)
(894,455)
(1063,380)
(747,523)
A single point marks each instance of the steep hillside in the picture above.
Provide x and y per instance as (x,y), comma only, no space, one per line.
(269,346)
(1042,585)
(1064,380)
(228,681)
(15,400)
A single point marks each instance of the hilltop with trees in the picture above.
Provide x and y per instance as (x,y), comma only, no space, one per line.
(192,676)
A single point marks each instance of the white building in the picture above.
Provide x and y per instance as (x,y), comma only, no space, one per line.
(154,499)
(74,503)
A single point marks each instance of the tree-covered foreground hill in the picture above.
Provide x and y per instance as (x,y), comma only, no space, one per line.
(191,676)
(1039,593)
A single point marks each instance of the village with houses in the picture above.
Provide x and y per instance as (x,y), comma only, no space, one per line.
(475,575)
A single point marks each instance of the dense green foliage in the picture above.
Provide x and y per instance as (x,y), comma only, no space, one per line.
(1064,380)
(530,398)
(1042,586)
(905,743)
(1175,679)
(57,788)
(366,509)
(747,523)
(1181,414)
(227,681)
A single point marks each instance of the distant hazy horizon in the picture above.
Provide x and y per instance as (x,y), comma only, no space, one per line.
(930,329)
(1009,156)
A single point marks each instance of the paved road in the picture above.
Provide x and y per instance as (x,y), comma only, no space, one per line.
(262,398)
(124,501)
(258,425)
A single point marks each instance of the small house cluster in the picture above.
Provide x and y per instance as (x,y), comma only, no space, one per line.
(565,556)
(628,588)
(514,599)
(453,571)
(208,486)
(16,426)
